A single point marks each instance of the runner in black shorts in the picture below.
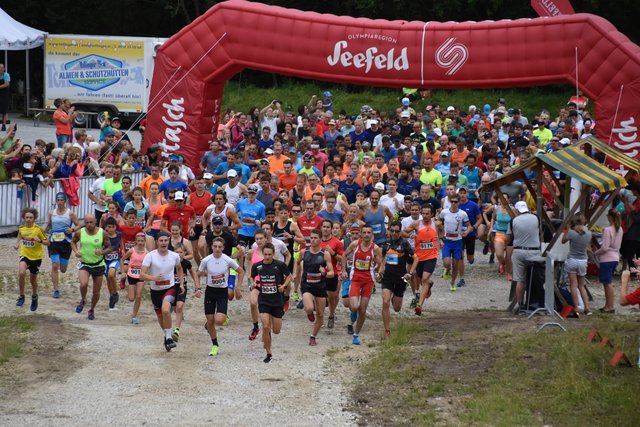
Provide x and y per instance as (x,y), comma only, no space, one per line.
(271,277)
(397,253)
(215,268)
(181,298)
(316,268)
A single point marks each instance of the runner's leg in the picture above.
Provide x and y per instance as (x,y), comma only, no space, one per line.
(386,304)
(95,296)
(22,272)
(320,303)
(362,314)
(266,332)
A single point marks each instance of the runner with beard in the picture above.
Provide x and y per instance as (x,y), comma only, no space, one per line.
(335,249)
(352,236)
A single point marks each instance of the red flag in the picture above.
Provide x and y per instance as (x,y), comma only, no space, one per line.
(552,7)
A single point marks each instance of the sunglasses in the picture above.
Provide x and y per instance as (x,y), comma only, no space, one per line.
(296,211)
(454,201)
(395,231)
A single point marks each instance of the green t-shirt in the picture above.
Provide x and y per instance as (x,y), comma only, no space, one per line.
(433,177)
(8,143)
(110,187)
(3,170)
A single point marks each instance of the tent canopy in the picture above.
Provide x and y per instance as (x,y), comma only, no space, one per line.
(17,36)
(610,151)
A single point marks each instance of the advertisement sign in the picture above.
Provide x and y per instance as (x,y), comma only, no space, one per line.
(96,70)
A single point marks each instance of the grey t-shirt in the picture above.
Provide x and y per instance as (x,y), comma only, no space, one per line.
(578,244)
(524,229)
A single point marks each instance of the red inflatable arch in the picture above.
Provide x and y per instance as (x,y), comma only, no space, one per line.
(192,67)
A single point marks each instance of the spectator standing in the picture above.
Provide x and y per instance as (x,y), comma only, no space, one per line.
(63,118)
(5,81)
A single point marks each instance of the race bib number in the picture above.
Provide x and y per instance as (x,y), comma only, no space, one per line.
(163,282)
(314,277)
(58,237)
(140,222)
(134,271)
(392,259)
(248,221)
(217,280)
(28,243)
(426,245)
(362,264)
(129,245)
(376,228)
(270,289)
(112,256)
(198,219)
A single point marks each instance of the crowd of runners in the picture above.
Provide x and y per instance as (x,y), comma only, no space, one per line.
(310,209)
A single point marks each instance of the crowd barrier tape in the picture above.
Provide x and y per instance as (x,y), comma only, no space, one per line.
(11,206)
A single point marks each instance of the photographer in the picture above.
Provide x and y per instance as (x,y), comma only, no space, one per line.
(63,118)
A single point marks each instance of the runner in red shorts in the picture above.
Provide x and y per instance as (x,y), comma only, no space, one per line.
(366,257)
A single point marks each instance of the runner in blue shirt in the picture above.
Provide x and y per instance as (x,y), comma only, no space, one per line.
(475,220)
(251,212)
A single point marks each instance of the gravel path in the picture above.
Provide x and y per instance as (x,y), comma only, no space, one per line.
(115,373)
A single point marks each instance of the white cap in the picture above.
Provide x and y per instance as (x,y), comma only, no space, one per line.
(522,207)
(268,151)
(406,102)
(373,121)
(208,175)
(232,172)
(565,141)
(405,113)
(179,196)
(473,107)
(379,186)
(450,108)
(437,131)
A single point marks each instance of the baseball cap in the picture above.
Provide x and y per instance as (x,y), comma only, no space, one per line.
(115,119)
(463,188)
(179,196)
(355,225)
(217,220)
(366,144)
(264,161)
(521,207)
(327,94)
(379,186)
(293,150)
(252,188)
(174,157)
(332,122)
(565,141)
(395,127)
(307,157)
(437,131)
(405,114)
(445,154)
(208,175)
(406,102)
(109,133)
(373,122)
(232,172)
(450,108)
(268,151)
(314,145)
(501,109)
(472,107)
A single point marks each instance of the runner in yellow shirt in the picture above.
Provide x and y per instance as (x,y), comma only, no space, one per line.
(30,240)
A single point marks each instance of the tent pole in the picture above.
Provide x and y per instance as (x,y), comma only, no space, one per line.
(6,60)
(28,86)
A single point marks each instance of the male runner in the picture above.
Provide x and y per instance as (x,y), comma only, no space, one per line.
(157,268)
(397,253)
(426,249)
(335,249)
(316,268)
(251,212)
(61,224)
(199,201)
(216,268)
(271,277)
(366,256)
(475,219)
(453,221)
(94,244)
(352,235)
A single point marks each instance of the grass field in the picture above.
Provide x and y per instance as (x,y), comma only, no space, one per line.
(12,331)
(241,97)
(481,369)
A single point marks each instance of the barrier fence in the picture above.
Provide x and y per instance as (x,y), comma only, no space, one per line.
(11,205)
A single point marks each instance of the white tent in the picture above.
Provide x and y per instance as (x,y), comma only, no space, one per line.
(17,36)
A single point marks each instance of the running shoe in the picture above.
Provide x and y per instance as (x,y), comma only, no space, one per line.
(311,317)
(135,321)
(350,329)
(312,341)
(356,340)
(268,359)
(176,334)
(225,323)
(452,288)
(91,315)
(34,303)
(20,301)
(295,296)
(414,302)
(461,283)
(331,322)
(56,294)
(169,344)
(80,306)
(418,310)
(254,333)
(122,285)
(113,300)
(429,289)
(485,250)
(387,333)
(285,307)
(214,350)
(300,305)
(354,316)
(446,274)
(492,259)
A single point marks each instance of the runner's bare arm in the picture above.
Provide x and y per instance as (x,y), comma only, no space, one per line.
(377,252)
(234,218)
(414,265)
(239,279)
(47,227)
(298,237)
(327,259)
(75,222)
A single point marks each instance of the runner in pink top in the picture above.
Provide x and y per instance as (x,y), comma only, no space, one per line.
(136,286)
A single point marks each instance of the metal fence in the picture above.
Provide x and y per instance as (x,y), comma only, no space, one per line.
(11,205)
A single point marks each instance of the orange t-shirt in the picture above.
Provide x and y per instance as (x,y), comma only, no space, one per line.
(147,181)
(62,128)
(308,194)
(426,246)
(435,156)
(287,182)
(459,157)
(276,165)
